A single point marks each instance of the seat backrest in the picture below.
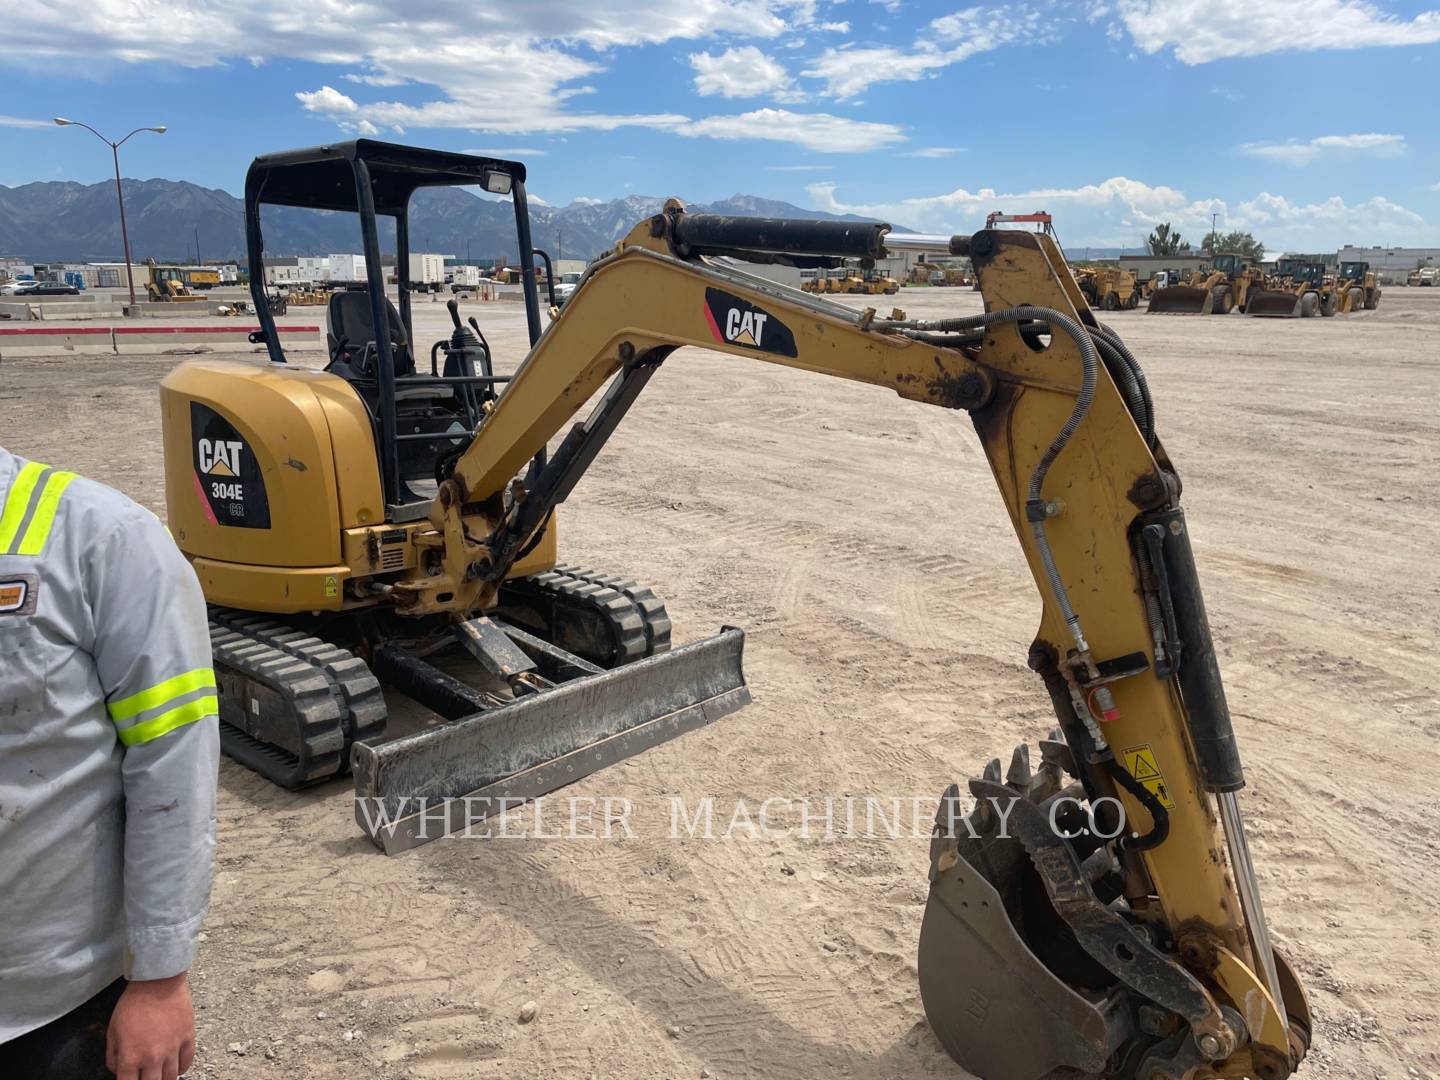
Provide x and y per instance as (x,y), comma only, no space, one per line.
(349,319)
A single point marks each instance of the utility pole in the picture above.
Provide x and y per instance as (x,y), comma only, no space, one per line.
(1214,216)
(119,192)
(197,245)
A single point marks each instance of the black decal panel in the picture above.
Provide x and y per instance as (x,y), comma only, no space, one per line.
(734,321)
(227,474)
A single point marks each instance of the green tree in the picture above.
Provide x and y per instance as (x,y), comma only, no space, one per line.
(1241,243)
(1166,241)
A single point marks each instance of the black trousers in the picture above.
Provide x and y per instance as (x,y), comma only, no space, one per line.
(70,1048)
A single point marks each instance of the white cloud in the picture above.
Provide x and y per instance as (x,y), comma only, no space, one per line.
(501,69)
(841,27)
(327,100)
(1122,211)
(936,151)
(821,132)
(1295,152)
(20,122)
(742,73)
(849,70)
(1200,32)
(1435,187)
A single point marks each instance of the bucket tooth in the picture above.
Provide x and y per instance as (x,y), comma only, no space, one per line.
(1019,773)
(1055,752)
(991,771)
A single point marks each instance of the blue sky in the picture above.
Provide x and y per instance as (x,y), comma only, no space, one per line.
(1310,122)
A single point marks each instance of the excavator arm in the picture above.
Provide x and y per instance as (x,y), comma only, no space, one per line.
(1096,912)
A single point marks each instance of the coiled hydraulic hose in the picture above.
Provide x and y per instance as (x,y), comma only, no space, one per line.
(1145,418)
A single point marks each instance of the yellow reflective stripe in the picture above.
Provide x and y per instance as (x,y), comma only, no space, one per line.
(147,730)
(33,542)
(18,501)
(160,693)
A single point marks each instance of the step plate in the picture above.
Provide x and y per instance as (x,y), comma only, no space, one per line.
(420,787)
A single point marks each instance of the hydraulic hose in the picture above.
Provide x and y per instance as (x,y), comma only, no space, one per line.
(1035,508)
(1139,372)
(1159,816)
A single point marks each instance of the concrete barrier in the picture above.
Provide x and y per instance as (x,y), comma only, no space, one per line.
(31,340)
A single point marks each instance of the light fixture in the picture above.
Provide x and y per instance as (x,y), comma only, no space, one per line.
(497,182)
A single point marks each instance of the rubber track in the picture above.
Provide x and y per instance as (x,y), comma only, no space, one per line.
(625,618)
(358,692)
(316,710)
(651,607)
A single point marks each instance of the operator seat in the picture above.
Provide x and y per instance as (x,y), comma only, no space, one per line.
(350,333)
(350,336)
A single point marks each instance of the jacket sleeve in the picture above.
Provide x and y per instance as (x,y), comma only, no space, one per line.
(152,653)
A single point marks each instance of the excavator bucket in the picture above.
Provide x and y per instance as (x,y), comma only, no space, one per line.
(1182,300)
(1278,304)
(449,778)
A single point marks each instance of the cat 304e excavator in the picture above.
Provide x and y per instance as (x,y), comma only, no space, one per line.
(1091,914)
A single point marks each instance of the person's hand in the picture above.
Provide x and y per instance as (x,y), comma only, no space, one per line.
(152,1031)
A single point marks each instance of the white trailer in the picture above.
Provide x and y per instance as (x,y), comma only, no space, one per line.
(347,269)
(427,268)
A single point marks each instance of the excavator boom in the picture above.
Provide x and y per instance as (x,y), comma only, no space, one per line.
(1128,945)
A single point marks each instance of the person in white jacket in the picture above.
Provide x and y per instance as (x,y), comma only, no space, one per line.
(109,745)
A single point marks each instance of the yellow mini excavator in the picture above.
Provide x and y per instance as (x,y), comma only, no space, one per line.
(1093,911)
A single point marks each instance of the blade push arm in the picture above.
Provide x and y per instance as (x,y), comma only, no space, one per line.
(1068,431)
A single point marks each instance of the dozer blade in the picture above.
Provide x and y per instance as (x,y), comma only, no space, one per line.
(1275,304)
(448,778)
(1182,300)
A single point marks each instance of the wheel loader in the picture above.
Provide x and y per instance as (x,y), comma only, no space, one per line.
(385,524)
(1226,287)
(1297,290)
(1355,288)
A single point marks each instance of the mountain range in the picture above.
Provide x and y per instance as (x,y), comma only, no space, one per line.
(167,219)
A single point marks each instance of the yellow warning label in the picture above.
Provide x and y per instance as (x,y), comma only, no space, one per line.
(1141,763)
(332,585)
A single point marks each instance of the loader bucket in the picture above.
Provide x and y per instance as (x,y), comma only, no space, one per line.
(449,778)
(1275,304)
(1182,300)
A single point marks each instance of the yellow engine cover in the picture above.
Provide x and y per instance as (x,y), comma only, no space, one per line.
(272,487)
(265,467)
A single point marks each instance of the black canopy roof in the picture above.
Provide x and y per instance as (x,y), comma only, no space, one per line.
(323,178)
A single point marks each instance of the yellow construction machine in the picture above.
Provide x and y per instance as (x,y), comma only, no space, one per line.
(1297,290)
(1355,288)
(167,285)
(1108,287)
(1093,910)
(1225,288)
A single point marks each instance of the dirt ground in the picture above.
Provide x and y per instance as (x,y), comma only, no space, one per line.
(884,660)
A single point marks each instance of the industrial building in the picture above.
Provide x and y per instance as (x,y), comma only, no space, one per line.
(1393,262)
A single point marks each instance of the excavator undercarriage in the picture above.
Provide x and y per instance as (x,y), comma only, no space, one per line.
(1093,911)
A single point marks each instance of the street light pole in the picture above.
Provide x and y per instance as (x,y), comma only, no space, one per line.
(119,192)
